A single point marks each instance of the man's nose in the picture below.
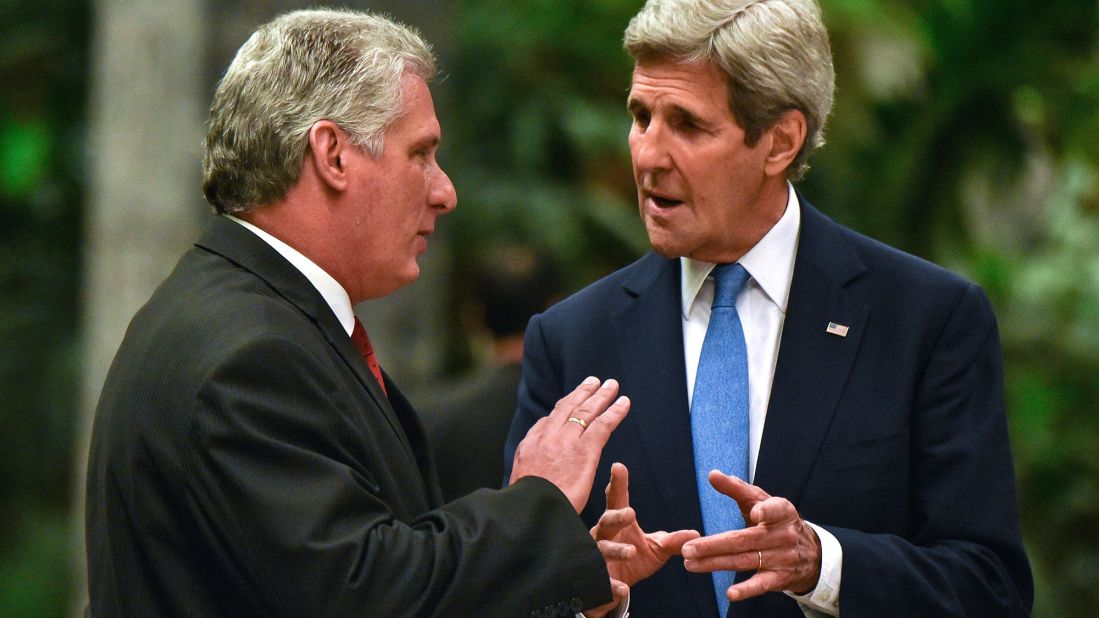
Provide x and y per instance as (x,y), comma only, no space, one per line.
(650,152)
(443,196)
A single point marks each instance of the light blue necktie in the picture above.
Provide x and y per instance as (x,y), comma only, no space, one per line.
(719,412)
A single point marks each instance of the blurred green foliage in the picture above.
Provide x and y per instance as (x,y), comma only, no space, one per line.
(43,66)
(965,131)
(538,130)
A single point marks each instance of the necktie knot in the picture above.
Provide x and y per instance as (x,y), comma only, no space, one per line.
(729,279)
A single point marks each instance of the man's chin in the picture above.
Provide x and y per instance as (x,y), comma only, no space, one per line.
(383,288)
(412,274)
(663,247)
(667,252)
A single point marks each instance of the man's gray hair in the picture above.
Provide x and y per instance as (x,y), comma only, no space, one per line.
(300,68)
(774,54)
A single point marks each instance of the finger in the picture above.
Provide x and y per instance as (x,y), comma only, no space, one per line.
(613,522)
(773,512)
(740,561)
(731,542)
(570,402)
(745,494)
(613,550)
(671,543)
(760,583)
(595,404)
(618,489)
(599,430)
(737,489)
(619,591)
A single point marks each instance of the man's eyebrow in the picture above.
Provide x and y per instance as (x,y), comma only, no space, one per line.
(682,113)
(673,111)
(429,141)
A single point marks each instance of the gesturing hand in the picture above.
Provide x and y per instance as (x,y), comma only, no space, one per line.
(776,543)
(632,554)
(564,447)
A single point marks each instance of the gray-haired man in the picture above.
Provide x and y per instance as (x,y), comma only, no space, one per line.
(249,456)
(849,395)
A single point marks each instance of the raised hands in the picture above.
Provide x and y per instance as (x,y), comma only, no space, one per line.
(631,554)
(776,543)
(564,447)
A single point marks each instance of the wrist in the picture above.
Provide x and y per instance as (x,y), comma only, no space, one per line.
(811,546)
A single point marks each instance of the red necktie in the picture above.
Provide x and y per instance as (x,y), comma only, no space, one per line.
(362,342)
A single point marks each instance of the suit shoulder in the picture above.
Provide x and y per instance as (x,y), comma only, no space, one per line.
(887,263)
(605,295)
(908,286)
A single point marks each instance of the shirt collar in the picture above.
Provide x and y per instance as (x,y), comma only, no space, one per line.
(770,262)
(330,289)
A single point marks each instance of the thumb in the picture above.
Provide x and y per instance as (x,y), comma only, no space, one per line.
(618,490)
(745,494)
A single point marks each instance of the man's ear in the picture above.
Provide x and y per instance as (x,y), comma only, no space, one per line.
(786,137)
(328,150)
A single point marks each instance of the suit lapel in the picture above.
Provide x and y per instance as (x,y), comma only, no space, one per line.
(649,328)
(239,245)
(417,443)
(813,364)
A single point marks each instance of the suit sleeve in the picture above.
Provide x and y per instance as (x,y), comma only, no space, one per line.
(282,495)
(965,554)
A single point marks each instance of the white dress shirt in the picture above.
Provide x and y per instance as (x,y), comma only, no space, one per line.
(762,309)
(330,289)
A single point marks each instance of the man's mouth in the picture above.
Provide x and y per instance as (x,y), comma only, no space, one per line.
(662,201)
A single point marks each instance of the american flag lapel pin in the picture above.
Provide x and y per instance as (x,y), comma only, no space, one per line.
(836,329)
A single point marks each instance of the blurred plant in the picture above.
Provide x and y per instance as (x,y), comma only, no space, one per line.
(540,130)
(43,69)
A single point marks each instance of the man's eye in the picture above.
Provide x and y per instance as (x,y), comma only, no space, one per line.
(687,126)
(641,119)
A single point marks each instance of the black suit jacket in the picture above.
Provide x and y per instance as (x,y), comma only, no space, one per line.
(244,462)
(893,438)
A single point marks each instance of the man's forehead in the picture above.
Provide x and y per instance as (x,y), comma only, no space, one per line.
(665,68)
(698,81)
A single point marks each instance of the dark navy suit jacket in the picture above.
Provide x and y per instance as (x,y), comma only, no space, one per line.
(893,438)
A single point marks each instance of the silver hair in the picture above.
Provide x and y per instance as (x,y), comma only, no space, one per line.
(302,67)
(774,54)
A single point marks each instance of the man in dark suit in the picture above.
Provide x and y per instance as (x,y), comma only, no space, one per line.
(249,457)
(869,425)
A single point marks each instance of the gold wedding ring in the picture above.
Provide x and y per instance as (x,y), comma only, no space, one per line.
(579,421)
(760,560)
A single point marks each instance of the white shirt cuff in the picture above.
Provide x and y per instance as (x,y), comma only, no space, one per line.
(824,600)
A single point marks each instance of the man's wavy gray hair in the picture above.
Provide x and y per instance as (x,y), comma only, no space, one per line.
(774,53)
(302,67)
